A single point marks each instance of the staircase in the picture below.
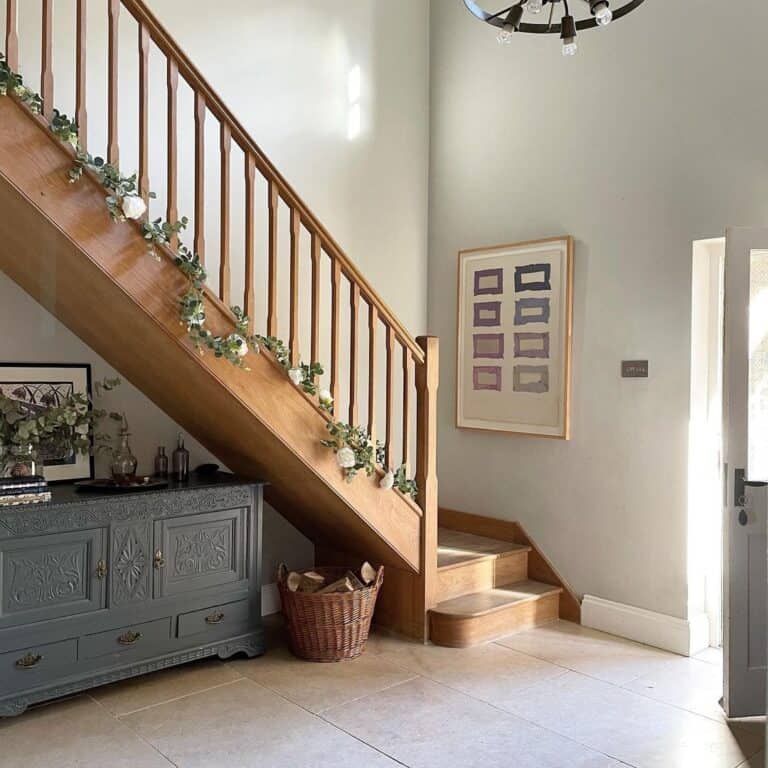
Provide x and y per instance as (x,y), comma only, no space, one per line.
(59,244)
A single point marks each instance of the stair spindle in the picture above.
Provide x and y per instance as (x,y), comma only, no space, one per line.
(315,340)
(407,375)
(81,110)
(113,148)
(12,35)
(373,322)
(46,69)
(293,338)
(172,213)
(250,236)
(354,311)
(390,398)
(335,327)
(200,111)
(224,268)
(144,112)
(272,275)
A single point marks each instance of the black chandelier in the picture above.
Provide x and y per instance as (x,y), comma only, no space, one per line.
(510,20)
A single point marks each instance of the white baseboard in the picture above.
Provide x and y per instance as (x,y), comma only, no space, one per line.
(684,636)
(270,599)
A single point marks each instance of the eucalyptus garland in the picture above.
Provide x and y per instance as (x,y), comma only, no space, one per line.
(304,375)
(355,452)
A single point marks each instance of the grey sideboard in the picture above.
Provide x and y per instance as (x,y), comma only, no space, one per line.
(98,588)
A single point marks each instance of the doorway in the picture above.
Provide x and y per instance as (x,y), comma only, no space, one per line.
(705,439)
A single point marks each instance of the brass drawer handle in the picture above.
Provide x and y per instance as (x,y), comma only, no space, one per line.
(129,638)
(101,570)
(215,618)
(159,559)
(28,661)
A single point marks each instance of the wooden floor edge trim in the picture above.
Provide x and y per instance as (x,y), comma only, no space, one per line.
(539,566)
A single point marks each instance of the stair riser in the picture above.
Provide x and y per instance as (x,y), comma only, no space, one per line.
(481,575)
(460,632)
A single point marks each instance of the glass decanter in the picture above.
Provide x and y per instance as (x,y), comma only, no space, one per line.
(124,463)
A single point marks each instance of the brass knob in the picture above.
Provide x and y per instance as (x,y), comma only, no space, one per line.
(159,559)
(30,660)
(215,618)
(129,638)
(101,570)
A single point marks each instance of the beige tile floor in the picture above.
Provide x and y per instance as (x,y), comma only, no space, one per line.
(555,697)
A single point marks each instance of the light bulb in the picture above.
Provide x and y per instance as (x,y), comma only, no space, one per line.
(535,6)
(603,14)
(505,34)
(570,46)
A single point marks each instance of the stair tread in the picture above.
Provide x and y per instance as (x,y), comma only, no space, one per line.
(456,548)
(495,599)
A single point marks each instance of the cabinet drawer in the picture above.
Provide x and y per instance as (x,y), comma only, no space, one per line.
(200,551)
(45,577)
(226,619)
(27,668)
(137,639)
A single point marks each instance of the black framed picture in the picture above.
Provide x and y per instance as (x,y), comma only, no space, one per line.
(41,385)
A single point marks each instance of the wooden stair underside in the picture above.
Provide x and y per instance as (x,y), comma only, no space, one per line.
(484,591)
(58,243)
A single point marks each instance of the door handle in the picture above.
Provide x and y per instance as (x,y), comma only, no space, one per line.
(101,570)
(739,487)
(129,638)
(159,559)
(29,661)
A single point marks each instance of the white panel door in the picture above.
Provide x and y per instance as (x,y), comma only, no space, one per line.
(745,432)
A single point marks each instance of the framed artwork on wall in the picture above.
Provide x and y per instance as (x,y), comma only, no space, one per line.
(41,385)
(515,319)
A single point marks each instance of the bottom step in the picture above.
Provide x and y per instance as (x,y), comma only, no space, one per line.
(493,613)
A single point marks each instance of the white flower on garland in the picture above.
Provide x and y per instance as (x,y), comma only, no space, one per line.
(296,376)
(325,397)
(83,429)
(345,457)
(133,207)
(242,349)
(387,482)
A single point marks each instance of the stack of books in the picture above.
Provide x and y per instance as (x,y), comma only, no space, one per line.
(23,490)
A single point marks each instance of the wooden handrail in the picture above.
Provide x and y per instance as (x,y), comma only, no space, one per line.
(197,82)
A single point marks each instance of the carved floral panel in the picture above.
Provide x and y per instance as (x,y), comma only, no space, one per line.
(38,579)
(202,550)
(131,563)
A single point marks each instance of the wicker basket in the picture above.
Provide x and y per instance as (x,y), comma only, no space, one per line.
(330,627)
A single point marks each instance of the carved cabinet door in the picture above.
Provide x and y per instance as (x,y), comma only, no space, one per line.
(200,551)
(130,574)
(44,577)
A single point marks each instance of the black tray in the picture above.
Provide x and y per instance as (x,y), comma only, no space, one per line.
(107,485)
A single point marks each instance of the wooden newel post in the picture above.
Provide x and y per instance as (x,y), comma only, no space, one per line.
(427,380)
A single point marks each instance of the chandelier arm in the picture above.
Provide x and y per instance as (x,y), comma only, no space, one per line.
(501,13)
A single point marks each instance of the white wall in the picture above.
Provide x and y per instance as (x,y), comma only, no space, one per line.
(651,137)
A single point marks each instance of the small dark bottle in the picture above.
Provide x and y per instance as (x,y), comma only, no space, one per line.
(161,463)
(181,461)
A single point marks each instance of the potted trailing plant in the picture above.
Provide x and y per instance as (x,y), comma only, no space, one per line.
(64,428)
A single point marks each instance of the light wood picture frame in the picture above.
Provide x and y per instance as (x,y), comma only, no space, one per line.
(515,338)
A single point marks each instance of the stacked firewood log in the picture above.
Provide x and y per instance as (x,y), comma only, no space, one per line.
(315,583)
